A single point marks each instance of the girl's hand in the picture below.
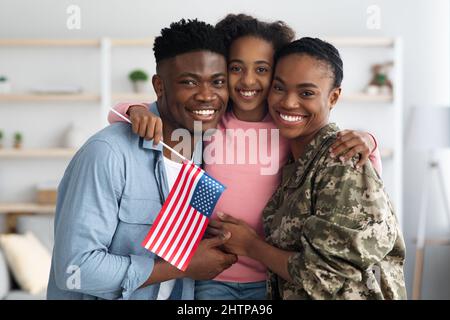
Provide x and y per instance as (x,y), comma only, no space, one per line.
(242,235)
(352,142)
(145,124)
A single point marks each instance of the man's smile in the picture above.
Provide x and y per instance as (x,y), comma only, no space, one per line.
(203,113)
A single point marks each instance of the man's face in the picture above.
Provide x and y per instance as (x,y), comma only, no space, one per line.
(195,89)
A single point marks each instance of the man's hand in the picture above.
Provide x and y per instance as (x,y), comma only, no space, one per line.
(208,261)
(243,237)
(144,123)
(352,142)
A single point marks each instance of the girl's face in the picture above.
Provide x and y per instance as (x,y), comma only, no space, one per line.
(301,95)
(250,73)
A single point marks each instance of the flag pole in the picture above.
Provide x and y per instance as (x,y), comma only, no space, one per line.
(165,145)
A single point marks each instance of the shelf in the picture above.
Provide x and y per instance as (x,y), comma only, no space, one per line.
(30,97)
(36,153)
(386,153)
(50,42)
(84,97)
(26,208)
(363,97)
(138,97)
(436,241)
(144,42)
(369,42)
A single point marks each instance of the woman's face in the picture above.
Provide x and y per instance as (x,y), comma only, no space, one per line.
(301,95)
(250,72)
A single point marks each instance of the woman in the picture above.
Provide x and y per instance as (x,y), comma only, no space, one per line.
(330,229)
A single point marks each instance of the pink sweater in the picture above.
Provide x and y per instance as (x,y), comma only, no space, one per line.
(251,182)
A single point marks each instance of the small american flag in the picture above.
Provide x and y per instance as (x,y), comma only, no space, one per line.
(182,221)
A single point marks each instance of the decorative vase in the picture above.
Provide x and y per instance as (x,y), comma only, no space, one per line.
(75,137)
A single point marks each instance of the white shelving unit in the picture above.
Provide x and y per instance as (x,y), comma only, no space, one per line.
(106,97)
(388,108)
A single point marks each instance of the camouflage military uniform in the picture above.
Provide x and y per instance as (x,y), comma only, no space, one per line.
(341,224)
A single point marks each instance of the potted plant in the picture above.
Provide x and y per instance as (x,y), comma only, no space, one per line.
(18,139)
(138,78)
(1,139)
(5,86)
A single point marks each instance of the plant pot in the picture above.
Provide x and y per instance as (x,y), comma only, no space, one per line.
(139,86)
(385,90)
(5,87)
(372,90)
(17,145)
(75,137)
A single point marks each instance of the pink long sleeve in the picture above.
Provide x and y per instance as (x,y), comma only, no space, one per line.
(375,157)
(122,108)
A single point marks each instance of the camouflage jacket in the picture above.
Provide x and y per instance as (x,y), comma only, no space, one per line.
(341,225)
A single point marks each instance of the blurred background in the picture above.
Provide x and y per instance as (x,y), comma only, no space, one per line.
(64,63)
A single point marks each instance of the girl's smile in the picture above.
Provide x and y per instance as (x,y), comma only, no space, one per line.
(248,94)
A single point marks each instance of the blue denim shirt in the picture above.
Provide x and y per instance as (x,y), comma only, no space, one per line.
(110,194)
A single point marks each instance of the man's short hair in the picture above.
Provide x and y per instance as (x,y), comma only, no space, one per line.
(187,36)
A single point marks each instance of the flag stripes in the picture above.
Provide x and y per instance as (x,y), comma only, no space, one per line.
(177,231)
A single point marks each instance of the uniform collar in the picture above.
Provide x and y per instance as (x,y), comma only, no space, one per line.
(295,172)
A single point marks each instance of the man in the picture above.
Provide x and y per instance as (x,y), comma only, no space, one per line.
(116,184)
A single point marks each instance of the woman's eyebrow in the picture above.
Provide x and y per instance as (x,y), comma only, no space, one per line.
(307,85)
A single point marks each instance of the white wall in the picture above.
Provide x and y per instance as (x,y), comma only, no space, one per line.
(423,25)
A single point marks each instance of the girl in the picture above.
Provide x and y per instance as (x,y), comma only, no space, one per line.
(330,227)
(252,45)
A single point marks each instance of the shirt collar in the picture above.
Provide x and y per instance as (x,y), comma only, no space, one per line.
(148,144)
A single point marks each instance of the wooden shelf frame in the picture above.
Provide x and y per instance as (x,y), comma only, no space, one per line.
(370,42)
(25,208)
(96,43)
(32,97)
(363,97)
(86,97)
(36,153)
